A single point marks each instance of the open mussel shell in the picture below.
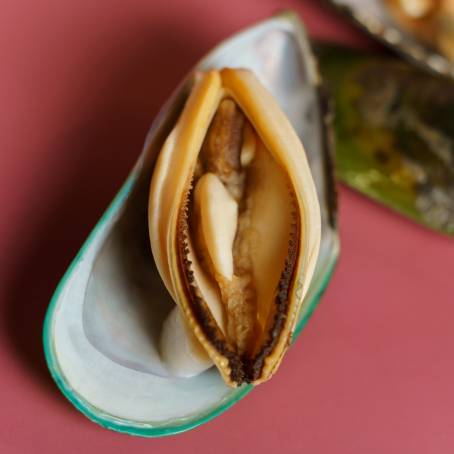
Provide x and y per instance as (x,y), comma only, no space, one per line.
(394,133)
(103,324)
(421,30)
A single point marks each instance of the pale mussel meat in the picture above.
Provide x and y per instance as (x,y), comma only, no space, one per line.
(234,225)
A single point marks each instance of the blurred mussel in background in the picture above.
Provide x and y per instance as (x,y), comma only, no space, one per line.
(394,116)
(421,30)
(431,21)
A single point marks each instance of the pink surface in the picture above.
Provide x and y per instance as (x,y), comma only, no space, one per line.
(80,83)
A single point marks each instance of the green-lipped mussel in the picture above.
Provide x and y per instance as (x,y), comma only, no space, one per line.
(394,133)
(105,330)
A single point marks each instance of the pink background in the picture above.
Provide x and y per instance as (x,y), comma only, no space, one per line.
(80,82)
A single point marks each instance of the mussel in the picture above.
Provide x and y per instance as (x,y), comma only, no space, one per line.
(234,223)
(421,30)
(431,21)
(394,132)
(115,342)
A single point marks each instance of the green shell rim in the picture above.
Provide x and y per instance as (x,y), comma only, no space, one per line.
(123,425)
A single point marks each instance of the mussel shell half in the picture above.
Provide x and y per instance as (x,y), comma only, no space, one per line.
(102,323)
